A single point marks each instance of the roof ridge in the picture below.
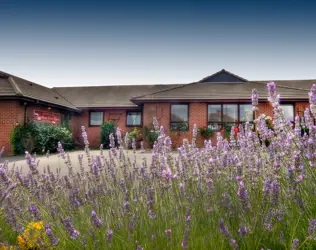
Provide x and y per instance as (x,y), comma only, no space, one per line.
(118,85)
(285,80)
(283,86)
(163,90)
(15,87)
(63,97)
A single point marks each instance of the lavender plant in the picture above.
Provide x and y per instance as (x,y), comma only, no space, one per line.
(238,194)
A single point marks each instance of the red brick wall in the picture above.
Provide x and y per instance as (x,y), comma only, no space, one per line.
(10,113)
(300,107)
(94,132)
(75,124)
(13,111)
(159,110)
(32,107)
(264,108)
(197,115)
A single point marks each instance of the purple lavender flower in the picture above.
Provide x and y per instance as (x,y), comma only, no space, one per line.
(168,233)
(243,230)
(273,96)
(134,145)
(142,149)
(307,118)
(112,140)
(126,140)
(242,192)
(31,162)
(110,235)
(312,229)
(297,127)
(275,191)
(53,240)
(60,150)
(33,209)
(156,124)
(233,244)
(255,99)
(185,243)
(84,136)
(194,135)
(223,229)
(73,233)
(312,100)
(95,220)
(1,152)
(3,175)
(295,244)
(182,188)
(119,136)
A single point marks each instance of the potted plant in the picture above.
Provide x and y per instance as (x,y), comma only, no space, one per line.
(226,130)
(135,134)
(150,135)
(206,132)
(176,130)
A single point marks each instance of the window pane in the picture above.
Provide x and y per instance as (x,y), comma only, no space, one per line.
(96,118)
(246,113)
(230,113)
(179,113)
(214,113)
(134,118)
(215,126)
(288,111)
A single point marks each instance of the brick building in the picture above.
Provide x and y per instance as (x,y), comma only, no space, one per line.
(217,100)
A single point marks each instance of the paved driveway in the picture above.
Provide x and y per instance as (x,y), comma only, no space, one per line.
(54,161)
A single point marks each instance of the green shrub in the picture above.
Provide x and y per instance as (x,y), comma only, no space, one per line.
(38,137)
(47,136)
(150,135)
(19,137)
(135,133)
(106,129)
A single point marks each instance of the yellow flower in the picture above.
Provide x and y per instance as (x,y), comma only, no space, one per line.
(33,234)
(4,247)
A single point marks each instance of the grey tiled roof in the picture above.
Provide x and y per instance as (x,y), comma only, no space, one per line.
(230,91)
(11,86)
(6,88)
(131,95)
(107,96)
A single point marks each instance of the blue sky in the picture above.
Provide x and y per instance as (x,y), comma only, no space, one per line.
(156,42)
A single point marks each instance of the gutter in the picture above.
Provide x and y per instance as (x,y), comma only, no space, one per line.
(34,100)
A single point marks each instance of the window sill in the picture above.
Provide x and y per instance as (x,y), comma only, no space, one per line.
(132,126)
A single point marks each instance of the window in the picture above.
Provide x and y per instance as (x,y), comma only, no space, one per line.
(215,116)
(215,113)
(230,113)
(179,116)
(288,110)
(245,112)
(227,115)
(96,118)
(134,118)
